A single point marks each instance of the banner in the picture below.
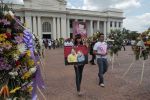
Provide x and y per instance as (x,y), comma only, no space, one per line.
(75,55)
(80,28)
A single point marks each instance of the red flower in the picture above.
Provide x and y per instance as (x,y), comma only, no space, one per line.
(8,35)
(17,63)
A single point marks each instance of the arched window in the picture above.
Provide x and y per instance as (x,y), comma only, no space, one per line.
(46,27)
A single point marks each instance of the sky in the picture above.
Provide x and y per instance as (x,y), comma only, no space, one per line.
(137,12)
(14,1)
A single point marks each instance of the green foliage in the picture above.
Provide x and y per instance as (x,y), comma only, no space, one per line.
(116,44)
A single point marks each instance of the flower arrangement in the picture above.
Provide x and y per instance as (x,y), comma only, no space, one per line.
(142,48)
(18,65)
(115,41)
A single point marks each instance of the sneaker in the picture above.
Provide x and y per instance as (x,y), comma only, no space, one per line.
(102,85)
(80,93)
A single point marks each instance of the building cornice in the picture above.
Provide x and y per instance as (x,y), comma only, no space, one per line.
(41,10)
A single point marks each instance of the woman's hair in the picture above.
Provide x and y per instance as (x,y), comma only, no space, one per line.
(78,36)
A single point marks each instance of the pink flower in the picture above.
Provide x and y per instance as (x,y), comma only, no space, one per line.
(19,39)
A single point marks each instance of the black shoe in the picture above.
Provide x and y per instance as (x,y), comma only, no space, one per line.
(93,63)
(90,61)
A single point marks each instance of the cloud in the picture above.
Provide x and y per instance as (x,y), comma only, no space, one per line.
(137,23)
(69,5)
(102,4)
(14,1)
(127,4)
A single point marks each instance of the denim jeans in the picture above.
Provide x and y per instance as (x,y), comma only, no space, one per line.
(103,66)
(78,72)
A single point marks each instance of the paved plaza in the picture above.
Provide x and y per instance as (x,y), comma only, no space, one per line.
(60,79)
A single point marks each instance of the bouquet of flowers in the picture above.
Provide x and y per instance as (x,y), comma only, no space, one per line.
(141,50)
(115,41)
(18,63)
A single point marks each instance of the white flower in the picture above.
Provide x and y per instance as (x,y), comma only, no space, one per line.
(33,70)
(11,14)
(16,57)
(16,73)
(5,13)
(21,47)
(13,74)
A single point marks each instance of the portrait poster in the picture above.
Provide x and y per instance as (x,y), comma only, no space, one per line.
(80,28)
(75,55)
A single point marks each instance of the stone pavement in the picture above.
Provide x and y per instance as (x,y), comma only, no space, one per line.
(60,79)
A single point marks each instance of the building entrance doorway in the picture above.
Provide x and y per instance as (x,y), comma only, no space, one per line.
(46,36)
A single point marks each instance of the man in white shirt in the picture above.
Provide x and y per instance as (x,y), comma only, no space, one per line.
(100,50)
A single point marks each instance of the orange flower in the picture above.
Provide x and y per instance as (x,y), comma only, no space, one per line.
(4,91)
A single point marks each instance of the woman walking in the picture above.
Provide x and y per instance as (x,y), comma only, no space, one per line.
(78,67)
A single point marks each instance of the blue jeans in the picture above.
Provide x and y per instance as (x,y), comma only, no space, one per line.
(103,66)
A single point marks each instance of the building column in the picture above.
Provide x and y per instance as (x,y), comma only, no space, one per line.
(98,28)
(63,27)
(28,22)
(68,28)
(54,28)
(34,25)
(108,27)
(39,27)
(22,19)
(58,28)
(91,27)
(105,30)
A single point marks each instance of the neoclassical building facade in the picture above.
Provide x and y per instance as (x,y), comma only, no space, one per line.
(52,19)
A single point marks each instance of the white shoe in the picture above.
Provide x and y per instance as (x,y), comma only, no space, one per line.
(80,93)
(102,85)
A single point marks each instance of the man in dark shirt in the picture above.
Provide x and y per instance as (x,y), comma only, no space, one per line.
(91,51)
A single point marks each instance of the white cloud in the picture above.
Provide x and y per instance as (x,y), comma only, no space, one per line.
(14,1)
(69,5)
(102,4)
(134,23)
(137,23)
(127,4)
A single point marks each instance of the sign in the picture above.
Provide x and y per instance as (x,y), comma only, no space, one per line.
(80,28)
(75,55)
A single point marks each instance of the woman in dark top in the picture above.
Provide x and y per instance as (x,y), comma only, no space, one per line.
(78,67)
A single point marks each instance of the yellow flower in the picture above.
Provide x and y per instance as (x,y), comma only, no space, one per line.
(30,62)
(30,88)
(38,62)
(3,37)
(26,75)
(15,89)
(28,53)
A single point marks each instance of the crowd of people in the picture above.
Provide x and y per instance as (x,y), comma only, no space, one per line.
(98,49)
(52,44)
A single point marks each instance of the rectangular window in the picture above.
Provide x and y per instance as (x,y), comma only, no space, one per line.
(71,23)
(111,24)
(119,24)
(115,24)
